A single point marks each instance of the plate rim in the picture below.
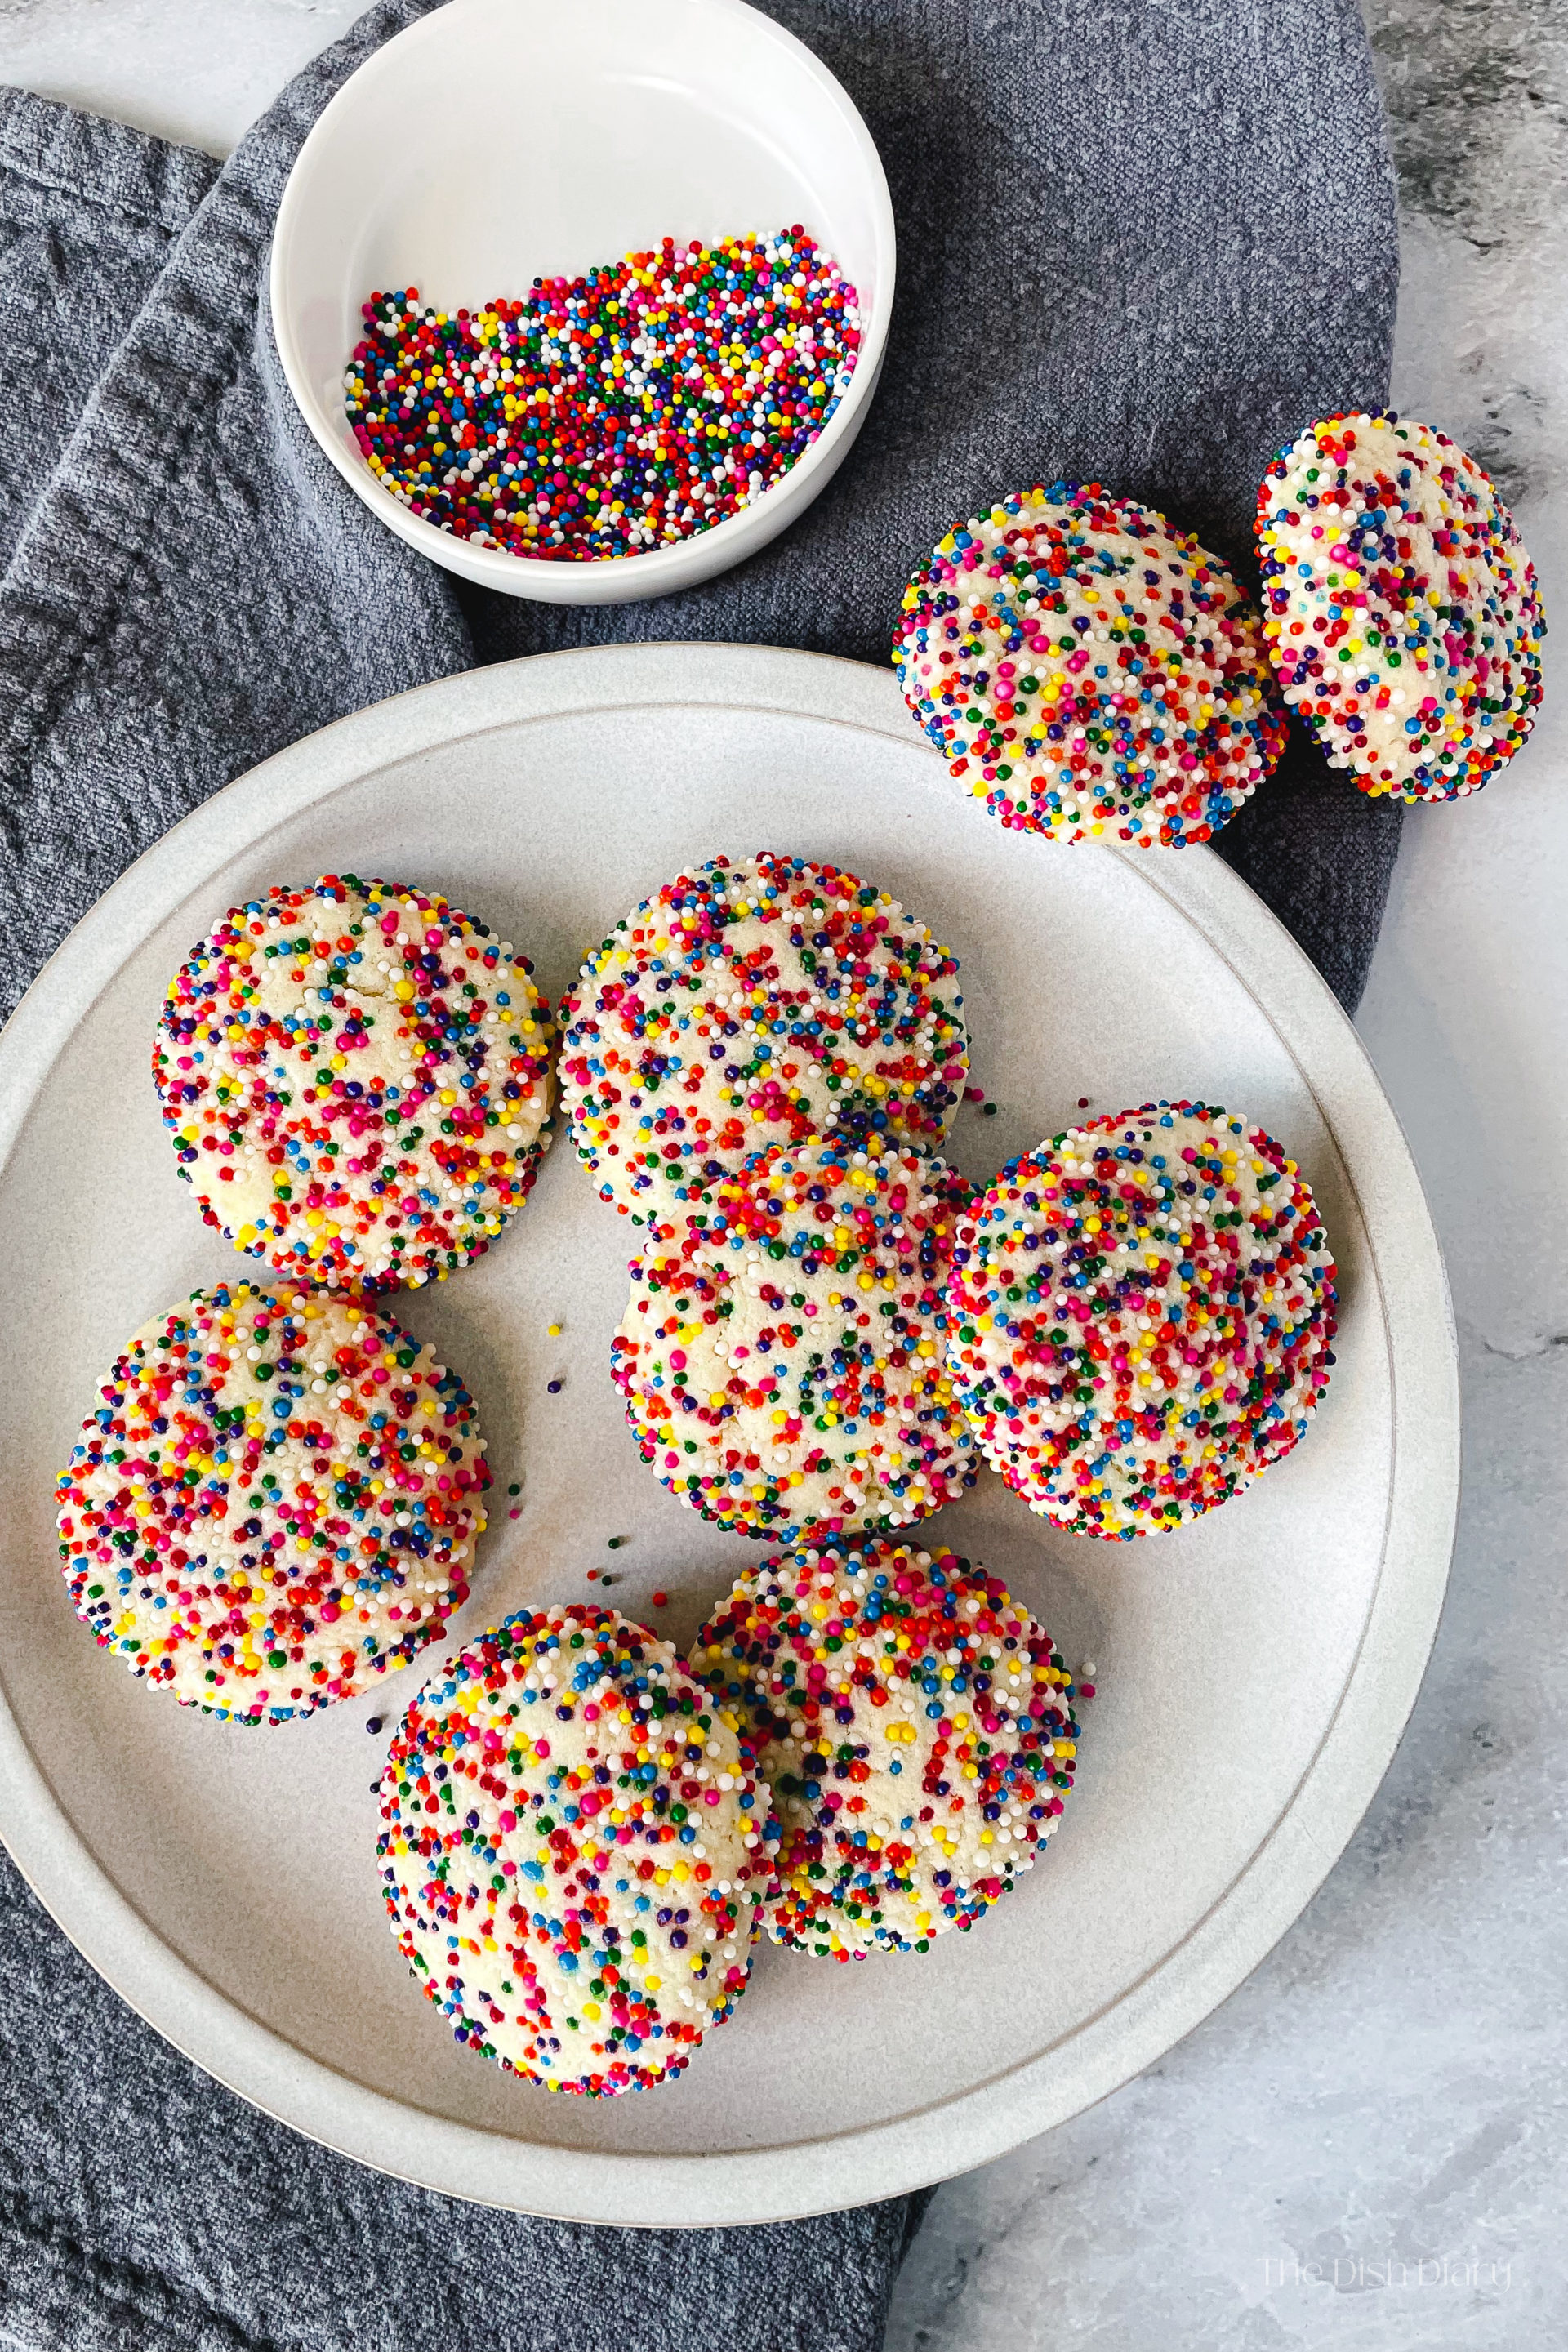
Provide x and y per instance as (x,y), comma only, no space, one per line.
(1272,1887)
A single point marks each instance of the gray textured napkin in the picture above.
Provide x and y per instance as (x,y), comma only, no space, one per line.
(1138,240)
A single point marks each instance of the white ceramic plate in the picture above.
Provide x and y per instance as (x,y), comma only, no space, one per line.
(1255,1670)
(500,140)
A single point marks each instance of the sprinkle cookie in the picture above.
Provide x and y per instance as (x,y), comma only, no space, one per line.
(356,1079)
(1140,1317)
(1091,672)
(916,1727)
(782,1360)
(574,1852)
(745,1005)
(1402,612)
(277,1497)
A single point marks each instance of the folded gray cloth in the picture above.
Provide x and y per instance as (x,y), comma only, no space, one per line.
(1145,244)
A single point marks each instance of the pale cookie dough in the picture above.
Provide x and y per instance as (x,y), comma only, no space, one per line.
(783,1360)
(574,1851)
(916,1725)
(1402,613)
(356,1078)
(1141,1313)
(1089,671)
(276,1498)
(749,1004)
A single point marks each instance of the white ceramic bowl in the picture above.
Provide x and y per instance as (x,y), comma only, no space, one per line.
(498,140)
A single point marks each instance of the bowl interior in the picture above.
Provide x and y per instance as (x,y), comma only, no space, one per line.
(498,140)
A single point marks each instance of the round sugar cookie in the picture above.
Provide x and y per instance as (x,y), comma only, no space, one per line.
(1089,671)
(574,1851)
(749,1004)
(1140,1317)
(916,1727)
(275,1499)
(356,1078)
(780,1353)
(1401,610)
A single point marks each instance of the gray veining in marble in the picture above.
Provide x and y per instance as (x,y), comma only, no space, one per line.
(1364,2148)
(198,71)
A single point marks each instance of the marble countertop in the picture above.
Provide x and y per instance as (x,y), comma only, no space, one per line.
(1364,2148)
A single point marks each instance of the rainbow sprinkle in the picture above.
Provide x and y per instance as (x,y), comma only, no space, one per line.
(276,1498)
(750,1005)
(356,1078)
(1141,1314)
(782,1360)
(624,410)
(574,1851)
(1089,671)
(1404,616)
(916,1727)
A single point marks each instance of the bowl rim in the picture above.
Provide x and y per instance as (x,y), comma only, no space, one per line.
(601,578)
